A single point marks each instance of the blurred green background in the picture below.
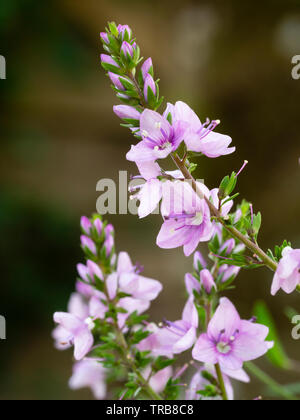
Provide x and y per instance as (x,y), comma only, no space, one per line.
(229,60)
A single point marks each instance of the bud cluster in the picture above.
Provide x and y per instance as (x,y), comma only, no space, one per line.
(134,86)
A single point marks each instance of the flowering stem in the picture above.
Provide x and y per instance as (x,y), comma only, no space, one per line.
(221,382)
(272,265)
(141,98)
(129,360)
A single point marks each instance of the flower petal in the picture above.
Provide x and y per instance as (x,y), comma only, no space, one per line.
(186,342)
(149,195)
(152,124)
(226,319)
(205,351)
(83,343)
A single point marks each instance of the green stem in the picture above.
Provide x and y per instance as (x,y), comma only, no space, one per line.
(129,360)
(221,382)
(270,382)
(272,265)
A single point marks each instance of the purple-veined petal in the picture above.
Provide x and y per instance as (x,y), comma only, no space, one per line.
(205,351)
(226,319)
(152,125)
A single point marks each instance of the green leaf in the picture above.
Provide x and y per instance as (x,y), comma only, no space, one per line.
(113,29)
(135,319)
(277,354)
(210,391)
(139,336)
(161,363)
(257,219)
(172,390)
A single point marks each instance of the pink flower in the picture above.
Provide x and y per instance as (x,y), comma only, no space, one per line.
(231,341)
(177,336)
(216,202)
(160,379)
(132,283)
(145,291)
(199,383)
(160,138)
(287,276)
(151,193)
(89,374)
(75,328)
(187,219)
(200,137)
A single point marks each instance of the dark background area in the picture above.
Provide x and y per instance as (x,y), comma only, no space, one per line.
(229,60)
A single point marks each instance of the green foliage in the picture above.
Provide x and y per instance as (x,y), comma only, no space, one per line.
(277,354)
(227,186)
(161,363)
(277,255)
(172,390)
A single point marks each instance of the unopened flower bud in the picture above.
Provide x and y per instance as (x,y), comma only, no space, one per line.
(127,49)
(191,284)
(99,226)
(108,245)
(83,272)
(127,112)
(89,244)
(199,261)
(107,59)
(146,67)
(228,246)
(117,81)
(86,225)
(104,37)
(149,83)
(125,32)
(109,230)
(228,271)
(94,270)
(207,281)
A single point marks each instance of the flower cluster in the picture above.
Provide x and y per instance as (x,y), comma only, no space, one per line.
(105,311)
(112,338)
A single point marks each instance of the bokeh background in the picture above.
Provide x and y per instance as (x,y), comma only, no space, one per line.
(229,60)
